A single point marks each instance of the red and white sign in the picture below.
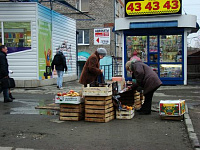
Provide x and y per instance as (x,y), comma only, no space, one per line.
(102,36)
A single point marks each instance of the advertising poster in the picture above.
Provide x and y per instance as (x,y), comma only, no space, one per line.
(44,50)
(102,36)
(152,7)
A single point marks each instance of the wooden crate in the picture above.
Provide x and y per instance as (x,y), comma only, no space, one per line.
(99,109)
(138,104)
(129,97)
(125,114)
(97,91)
(95,100)
(74,112)
(100,117)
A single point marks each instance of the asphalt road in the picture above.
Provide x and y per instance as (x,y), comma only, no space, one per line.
(23,126)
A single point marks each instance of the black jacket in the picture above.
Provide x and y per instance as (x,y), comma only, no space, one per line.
(62,66)
(3,65)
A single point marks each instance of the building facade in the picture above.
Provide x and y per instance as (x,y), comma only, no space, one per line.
(101,16)
(97,16)
(33,33)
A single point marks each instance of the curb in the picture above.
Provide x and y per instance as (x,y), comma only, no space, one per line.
(190,129)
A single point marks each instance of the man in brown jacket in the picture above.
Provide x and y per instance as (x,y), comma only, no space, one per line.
(145,78)
(91,68)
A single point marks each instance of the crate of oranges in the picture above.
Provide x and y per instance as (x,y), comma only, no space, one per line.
(127,112)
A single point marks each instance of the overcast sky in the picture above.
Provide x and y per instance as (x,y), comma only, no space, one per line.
(192,7)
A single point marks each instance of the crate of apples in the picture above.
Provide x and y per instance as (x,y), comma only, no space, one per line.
(70,97)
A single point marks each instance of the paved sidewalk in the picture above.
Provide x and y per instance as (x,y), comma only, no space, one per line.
(141,133)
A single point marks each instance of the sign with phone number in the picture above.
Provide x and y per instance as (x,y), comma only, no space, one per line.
(152,7)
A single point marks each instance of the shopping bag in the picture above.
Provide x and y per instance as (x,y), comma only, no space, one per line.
(7,83)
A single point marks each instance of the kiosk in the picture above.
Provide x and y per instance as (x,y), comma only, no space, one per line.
(33,33)
(157,31)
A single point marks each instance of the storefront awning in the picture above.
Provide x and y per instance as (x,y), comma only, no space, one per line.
(157,24)
(83,56)
(195,29)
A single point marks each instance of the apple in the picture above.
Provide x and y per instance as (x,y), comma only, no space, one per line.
(59,94)
(72,91)
(63,94)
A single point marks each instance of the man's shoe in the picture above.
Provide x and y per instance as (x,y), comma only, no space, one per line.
(61,88)
(10,95)
(7,100)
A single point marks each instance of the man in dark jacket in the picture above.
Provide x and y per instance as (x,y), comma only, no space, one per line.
(145,78)
(4,71)
(59,61)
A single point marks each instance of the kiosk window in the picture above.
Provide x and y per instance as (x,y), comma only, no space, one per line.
(153,44)
(154,67)
(17,34)
(170,70)
(154,58)
(138,44)
(171,48)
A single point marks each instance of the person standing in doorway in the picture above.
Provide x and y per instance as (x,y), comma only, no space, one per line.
(91,69)
(59,62)
(135,56)
(4,72)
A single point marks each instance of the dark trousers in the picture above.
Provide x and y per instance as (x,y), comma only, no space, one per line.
(146,107)
(5,93)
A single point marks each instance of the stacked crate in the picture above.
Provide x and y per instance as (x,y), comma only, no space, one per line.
(73,112)
(138,100)
(98,104)
(99,109)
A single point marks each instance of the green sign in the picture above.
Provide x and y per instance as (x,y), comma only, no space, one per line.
(44,49)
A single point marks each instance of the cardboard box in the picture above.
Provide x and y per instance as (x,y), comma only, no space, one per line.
(172,107)
(68,99)
(58,99)
(117,78)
